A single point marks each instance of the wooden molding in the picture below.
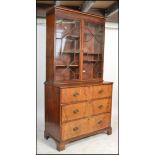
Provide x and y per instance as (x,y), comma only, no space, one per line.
(86,6)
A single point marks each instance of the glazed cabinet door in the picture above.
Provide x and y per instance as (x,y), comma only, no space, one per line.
(93,49)
(67,49)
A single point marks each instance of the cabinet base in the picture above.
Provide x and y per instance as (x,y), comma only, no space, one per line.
(109,131)
(46,136)
(61,144)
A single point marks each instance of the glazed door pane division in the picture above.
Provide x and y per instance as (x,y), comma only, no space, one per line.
(93,50)
(67,49)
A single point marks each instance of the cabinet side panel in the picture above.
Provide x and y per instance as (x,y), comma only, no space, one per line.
(50,46)
(52,111)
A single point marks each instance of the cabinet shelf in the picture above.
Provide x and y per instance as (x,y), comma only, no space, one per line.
(93,61)
(70,52)
(96,34)
(86,53)
(65,22)
(71,37)
(67,65)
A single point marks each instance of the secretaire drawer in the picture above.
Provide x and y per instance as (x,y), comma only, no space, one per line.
(101,91)
(73,111)
(74,94)
(101,105)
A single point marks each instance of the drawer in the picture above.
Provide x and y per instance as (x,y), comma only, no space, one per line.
(101,106)
(99,122)
(74,111)
(74,129)
(74,94)
(86,125)
(101,91)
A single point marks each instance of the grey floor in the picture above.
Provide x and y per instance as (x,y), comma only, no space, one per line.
(98,144)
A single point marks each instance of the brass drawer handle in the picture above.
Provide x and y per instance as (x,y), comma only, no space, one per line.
(75,94)
(100,106)
(75,129)
(75,111)
(100,122)
(101,91)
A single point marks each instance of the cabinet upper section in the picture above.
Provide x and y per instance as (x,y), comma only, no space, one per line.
(75,46)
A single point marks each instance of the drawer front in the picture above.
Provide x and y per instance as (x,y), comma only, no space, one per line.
(74,94)
(101,91)
(84,126)
(101,106)
(74,111)
(99,122)
(74,129)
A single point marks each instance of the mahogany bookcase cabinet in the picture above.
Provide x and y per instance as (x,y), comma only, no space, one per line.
(77,100)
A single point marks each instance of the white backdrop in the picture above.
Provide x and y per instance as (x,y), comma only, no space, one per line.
(110,62)
(41,65)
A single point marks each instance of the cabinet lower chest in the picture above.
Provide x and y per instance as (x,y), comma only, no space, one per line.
(74,112)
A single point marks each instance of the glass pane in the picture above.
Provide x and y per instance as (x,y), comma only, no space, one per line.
(93,50)
(67,49)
